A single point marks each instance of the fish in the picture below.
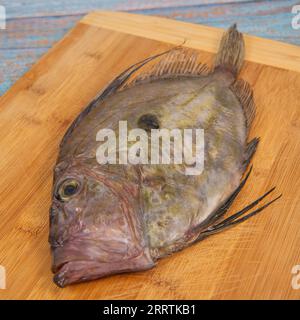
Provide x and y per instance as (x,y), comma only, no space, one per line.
(110,218)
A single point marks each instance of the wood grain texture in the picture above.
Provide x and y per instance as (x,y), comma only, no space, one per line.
(253,260)
(263,51)
(34,26)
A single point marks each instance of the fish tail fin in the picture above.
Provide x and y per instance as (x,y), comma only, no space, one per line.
(230,55)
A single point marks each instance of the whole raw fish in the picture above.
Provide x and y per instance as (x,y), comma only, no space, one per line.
(113,218)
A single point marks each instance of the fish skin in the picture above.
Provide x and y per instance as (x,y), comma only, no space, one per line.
(125,217)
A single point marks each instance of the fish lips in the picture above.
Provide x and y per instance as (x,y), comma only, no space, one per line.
(75,271)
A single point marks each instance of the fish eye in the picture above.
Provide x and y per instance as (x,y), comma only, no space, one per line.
(67,189)
(148,122)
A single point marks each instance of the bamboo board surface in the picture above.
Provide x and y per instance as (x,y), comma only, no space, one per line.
(252,260)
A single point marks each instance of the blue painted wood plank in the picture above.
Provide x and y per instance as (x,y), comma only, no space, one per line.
(14,63)
(30,8)
(34,26)
(38,32)
(264,19)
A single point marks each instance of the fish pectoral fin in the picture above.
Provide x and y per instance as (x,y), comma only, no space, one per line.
(238,217)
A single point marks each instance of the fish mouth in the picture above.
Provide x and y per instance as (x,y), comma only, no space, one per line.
(71,272)
(77,271)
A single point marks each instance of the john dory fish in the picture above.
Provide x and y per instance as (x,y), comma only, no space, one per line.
(114,218)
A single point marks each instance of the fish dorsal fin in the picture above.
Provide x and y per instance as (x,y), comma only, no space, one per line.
(177,62)
(244,93)
(114,86)
(174,62)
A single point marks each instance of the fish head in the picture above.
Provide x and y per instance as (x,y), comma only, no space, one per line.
(95,226)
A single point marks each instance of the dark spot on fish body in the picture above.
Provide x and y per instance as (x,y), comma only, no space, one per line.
(160,224)
(148,122)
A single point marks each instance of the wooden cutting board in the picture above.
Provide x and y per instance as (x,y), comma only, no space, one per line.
(253,260)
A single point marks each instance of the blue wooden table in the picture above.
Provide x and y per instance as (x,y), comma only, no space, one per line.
(33,26)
